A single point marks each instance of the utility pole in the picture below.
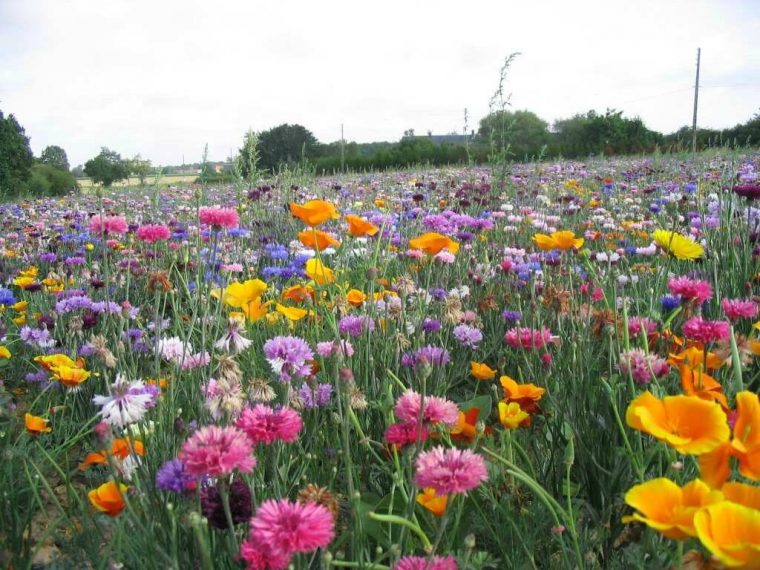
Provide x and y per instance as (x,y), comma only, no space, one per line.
(696,99)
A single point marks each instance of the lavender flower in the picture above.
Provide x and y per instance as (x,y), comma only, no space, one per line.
(468,336)
(288,356)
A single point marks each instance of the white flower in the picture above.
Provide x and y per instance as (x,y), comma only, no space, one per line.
(127,403)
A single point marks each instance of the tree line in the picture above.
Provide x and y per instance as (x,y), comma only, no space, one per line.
(502,135)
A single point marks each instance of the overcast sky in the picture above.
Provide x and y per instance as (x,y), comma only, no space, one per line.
(164,77)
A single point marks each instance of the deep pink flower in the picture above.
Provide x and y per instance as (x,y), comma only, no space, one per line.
(219,218)
(688,289)
(736,309)
(450,470)
(405,433)
(285,528)
(151,233)
(528,338)
(217,451)
(108,224)
(409,404)
(706,331)
(259,557)
(422,563)
(263,424)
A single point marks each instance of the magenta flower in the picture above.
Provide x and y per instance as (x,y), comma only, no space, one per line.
(217,451)
(405,433)
(736,309)
(706,331)
(691,289)
(219,218)
(528,338)
(639,325)
(450,470)
(262,424)
(422,563)
(259,557)
(285,528)
(409,406)
(151,233)
(108,224)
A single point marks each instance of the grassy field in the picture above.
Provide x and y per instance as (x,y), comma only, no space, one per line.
(168,180)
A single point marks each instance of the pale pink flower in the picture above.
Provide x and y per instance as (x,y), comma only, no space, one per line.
(409,405)
(450,470)
(216,451)
(108,224)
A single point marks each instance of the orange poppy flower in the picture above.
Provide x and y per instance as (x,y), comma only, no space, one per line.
(694,357)
(298,293)
(563,240)
(4,352)
(527,395)
(743,494)
(465,428)
(109,498)
(436,504)
(50,361)
(255,310)
(121,448)
(432,243)
(511,415)
(355,298)
(702,385)
(731,532)
(314,212)
(668,508)
(319,272)
(317,239)
(690,425)
(715,467)
(36,424)
(481,371)
(359,227)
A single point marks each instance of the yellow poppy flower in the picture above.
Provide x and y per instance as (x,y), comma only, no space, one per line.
(511,415)
(4,352)
(688,424)
(731,532)
(318,272)
(564,240)
(292,313)
(668,508)
(481,371)
(237,294)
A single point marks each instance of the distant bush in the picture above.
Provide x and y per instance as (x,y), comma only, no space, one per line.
(46,180)
(217,178)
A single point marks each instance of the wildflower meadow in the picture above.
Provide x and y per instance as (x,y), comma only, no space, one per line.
(545,365)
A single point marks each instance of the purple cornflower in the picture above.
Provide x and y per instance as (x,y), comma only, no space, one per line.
(432,356)
(354,325)
(467,336)
(315,397)
(514,316)
(431,326)
(48,257)
(173,477)
(288,356)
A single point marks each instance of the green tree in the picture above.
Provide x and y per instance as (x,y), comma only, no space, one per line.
(285,144)
(16,157)
(107,168)
(47,180)
(140,168)
(524,132)
(56,157)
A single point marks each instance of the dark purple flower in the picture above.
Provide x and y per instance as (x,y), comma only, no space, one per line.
(240,504)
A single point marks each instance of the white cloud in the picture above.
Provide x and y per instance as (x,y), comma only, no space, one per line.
(163,78)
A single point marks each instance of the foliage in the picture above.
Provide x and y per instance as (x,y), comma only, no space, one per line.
(248,157)
(56,157)
(523,132)
(283,145)
(15,156)
(140,167)
(107,167)
(47,180)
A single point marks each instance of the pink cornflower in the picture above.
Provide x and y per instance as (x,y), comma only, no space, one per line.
(108,224)
(638,325)
(450,470)
(219,218)
(285,528)
(691,289)
(706,331)
(409,405)
(217,451)
(259,557)
(151,233)
(263,424)
(736,309)
(422,563)
(527,338)
(405,433)
(642,365)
